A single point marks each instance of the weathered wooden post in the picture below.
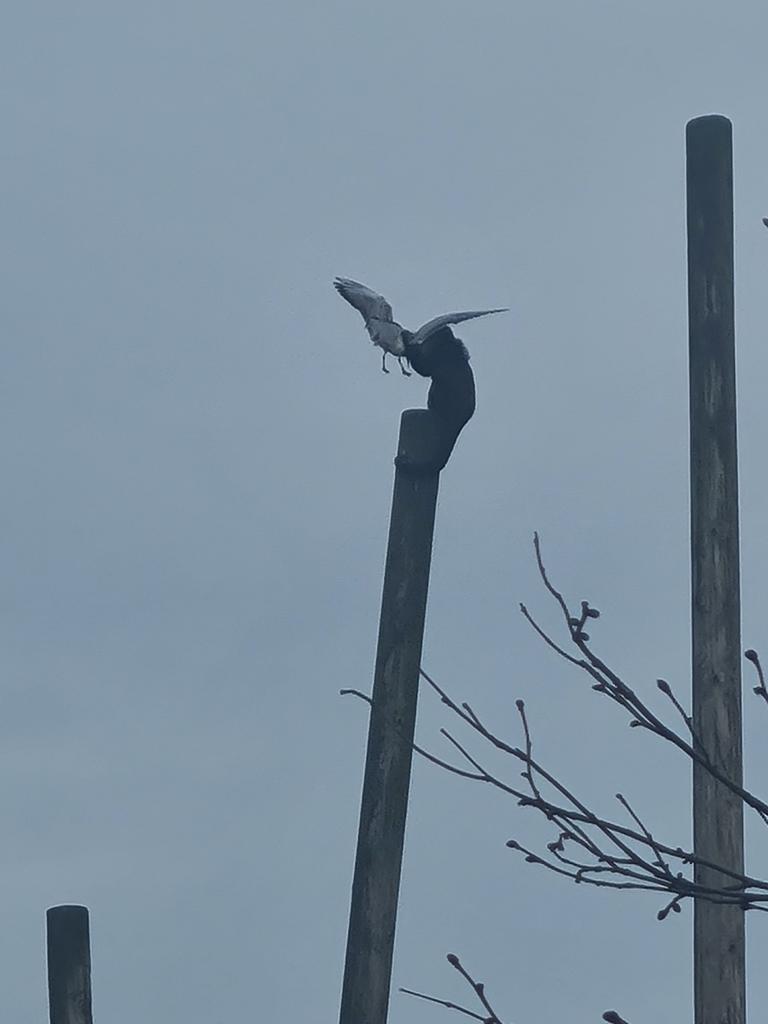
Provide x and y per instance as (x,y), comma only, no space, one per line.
(69,965)
(376,883)
(719,972)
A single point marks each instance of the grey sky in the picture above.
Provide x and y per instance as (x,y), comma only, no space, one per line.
(197,464)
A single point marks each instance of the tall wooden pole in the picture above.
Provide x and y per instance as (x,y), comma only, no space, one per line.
(719,973)
(376,883)
(69,965)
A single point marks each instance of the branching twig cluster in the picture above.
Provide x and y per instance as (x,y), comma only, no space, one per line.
(610,684)
(489,1015)
(590,848)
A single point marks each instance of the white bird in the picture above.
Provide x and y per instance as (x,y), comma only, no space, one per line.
(385,332)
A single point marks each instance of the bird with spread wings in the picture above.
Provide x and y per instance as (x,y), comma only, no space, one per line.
(385,332)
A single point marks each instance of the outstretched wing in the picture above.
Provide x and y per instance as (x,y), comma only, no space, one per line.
(366,301)
(445,320)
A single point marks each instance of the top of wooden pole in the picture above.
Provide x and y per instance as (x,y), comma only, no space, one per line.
(708,119)
(421,444)
(69,965)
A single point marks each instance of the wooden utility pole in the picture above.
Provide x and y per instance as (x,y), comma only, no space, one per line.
(719,972)
(69,965)
(376,883)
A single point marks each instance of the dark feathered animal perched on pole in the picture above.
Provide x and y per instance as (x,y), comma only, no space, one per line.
(451,397)
(432,351)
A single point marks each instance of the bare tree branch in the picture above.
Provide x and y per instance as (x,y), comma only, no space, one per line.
(609,683)
(613,855)
(490,1016)
(590,848)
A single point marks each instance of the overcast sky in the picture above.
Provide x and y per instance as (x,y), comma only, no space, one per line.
(197,465)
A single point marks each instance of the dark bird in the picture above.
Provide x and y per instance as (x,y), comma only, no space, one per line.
(451,398)
(386,332)
(765,221)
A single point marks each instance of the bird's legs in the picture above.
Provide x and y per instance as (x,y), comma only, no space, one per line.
(406,373)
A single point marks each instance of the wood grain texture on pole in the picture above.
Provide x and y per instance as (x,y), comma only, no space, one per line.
(69,965)
(718,829)
(376,882)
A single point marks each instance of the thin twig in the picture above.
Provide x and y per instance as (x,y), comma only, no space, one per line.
(443,1002)
(760,690)
(477,987)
